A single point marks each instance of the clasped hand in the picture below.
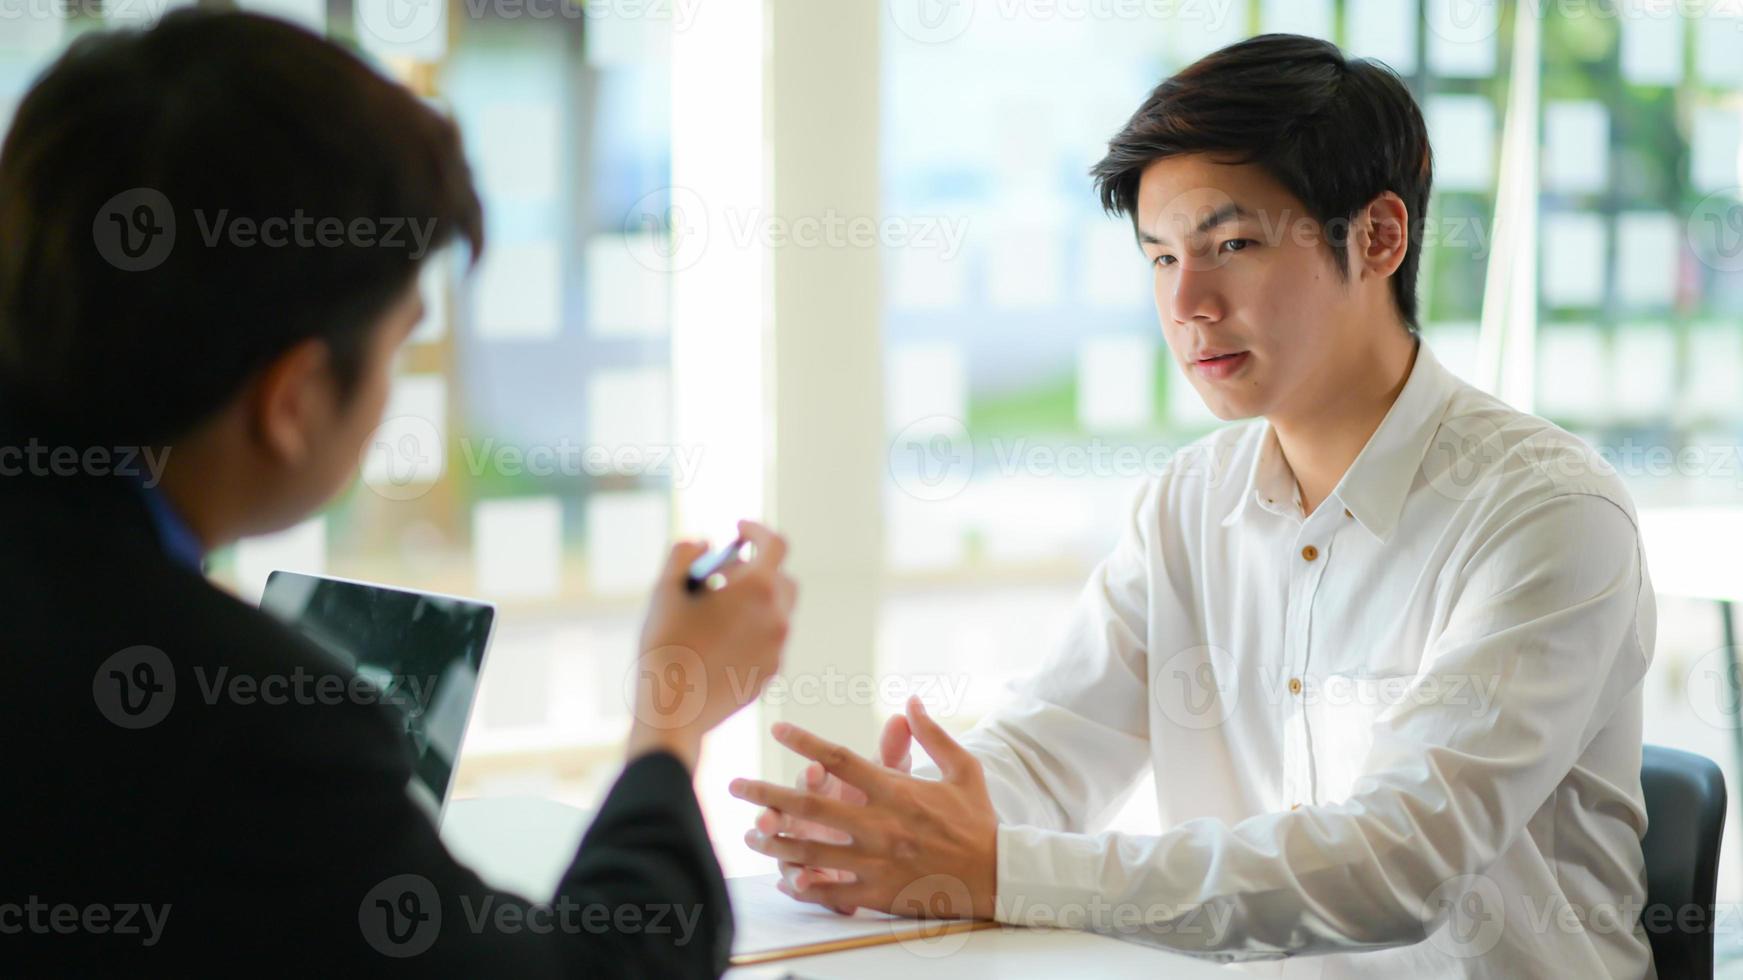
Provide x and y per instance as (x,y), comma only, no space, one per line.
(857,833)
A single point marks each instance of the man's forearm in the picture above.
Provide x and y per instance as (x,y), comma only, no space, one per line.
(648,852)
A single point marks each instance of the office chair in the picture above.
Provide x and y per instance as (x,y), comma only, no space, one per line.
(1685,814)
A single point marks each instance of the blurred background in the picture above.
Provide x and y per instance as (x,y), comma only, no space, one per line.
(840,266)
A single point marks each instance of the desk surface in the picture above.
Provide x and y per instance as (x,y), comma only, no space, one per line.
(999,952)
(524,844)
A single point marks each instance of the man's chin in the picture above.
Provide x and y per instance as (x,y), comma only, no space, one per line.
(1231,411)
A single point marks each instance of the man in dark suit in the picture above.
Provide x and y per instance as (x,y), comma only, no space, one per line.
(167,386)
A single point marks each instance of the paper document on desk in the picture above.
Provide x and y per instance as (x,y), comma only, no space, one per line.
(768,925)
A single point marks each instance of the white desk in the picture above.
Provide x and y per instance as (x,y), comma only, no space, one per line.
(996,953)
(521,844)
(524,844)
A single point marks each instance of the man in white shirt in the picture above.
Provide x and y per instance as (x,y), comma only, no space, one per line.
(1381,647)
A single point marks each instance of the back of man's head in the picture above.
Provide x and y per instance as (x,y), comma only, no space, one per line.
(181,205)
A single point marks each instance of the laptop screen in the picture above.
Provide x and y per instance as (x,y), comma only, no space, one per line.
(421,652)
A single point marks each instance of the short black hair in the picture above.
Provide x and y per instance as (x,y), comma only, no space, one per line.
(223,122)
(1336,132)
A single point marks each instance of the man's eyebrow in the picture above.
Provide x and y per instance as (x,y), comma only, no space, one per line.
(1227,212)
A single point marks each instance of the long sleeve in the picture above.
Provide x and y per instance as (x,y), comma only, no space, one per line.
(1548,610)
(320,851)
(261,824)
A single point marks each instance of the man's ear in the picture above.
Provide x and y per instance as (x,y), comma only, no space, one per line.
(1380,235)
(292,399)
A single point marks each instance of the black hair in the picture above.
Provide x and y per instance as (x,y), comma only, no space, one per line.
(1336,132)
(142,182)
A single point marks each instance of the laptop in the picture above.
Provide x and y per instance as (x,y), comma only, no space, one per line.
(422,653)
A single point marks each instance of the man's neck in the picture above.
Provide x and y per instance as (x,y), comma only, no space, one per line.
(1321,444)
(192,506)
(200,480)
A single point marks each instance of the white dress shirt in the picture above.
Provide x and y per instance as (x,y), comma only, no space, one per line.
(1402,731)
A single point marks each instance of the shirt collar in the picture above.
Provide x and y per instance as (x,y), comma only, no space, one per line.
(1373,489)
(1268,481)
(178,540)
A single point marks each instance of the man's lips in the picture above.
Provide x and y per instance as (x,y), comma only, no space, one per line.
(1217,366)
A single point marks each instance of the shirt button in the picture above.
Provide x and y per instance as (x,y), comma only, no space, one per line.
(1310,552)
(1347,512)
(1294,685)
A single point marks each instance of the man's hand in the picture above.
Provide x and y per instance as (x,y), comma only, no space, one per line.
(906,833)
(704,655)
(893,751)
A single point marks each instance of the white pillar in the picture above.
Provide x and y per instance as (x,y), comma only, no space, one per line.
(829,444)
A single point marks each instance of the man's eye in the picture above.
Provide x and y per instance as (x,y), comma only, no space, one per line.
(1162,260)
(1238,244)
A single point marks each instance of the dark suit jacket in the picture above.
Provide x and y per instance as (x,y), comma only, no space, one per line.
(279,838)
